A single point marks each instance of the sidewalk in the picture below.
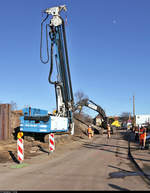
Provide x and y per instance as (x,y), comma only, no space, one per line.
(142,157)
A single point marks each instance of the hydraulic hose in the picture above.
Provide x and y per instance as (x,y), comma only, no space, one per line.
(51,66)
(47,50)
(41,45)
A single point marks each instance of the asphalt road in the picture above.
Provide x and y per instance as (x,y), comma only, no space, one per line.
(97,164)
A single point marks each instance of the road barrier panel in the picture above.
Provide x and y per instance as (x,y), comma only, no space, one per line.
(20,147)
(51,142)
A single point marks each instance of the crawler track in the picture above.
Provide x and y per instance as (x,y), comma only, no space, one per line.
(143,174)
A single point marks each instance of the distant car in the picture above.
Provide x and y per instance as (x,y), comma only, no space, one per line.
(114,126)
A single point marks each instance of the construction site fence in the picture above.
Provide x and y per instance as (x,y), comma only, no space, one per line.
(9,120)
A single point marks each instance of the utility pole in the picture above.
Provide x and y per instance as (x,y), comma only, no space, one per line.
(129,116)
(133,111)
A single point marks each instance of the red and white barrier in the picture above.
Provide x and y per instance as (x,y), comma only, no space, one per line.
(51,142)
(20,149)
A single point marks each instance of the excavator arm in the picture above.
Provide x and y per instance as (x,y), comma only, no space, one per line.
(90,104)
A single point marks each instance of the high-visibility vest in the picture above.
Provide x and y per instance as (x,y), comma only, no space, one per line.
(142,133)
(142,130)
(89,130)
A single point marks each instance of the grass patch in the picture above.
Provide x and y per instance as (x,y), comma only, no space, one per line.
(19,165)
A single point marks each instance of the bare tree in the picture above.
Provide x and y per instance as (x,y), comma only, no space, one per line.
(124,116)
(80,97)
(13,106)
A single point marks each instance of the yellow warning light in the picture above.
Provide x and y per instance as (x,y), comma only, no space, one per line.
(20,135)
(54,112)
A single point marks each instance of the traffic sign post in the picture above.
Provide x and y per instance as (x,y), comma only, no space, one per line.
(20,148)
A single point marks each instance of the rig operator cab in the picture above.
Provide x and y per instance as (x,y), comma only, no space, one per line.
(38,120)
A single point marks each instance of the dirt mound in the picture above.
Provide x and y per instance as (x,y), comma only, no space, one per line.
(80,128)
(8,148)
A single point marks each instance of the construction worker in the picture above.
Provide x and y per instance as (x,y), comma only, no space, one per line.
(89,132)
(108,131)
(142,136)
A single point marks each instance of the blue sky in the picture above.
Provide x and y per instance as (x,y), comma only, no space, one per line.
(109,53)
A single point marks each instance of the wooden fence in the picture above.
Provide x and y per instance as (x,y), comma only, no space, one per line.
(9,120)
(5,125)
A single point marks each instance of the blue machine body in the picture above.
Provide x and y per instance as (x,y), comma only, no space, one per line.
(38,126)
